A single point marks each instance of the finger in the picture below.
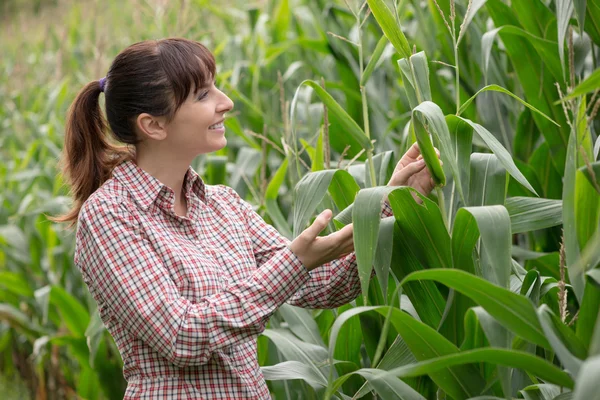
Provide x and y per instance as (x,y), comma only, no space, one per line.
(437,152)
(413,152)
(318,225)
(410,170)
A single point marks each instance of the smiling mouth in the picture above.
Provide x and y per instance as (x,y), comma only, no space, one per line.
(216,126)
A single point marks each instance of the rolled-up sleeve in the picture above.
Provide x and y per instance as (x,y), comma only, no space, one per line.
(331,285)
(127,278)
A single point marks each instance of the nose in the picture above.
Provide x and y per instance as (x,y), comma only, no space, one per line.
(225,104)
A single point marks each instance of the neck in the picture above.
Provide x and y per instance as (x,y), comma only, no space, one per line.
(168,168)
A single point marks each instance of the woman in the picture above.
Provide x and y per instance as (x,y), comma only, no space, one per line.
(186,275)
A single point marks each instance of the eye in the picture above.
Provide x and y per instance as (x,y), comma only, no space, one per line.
(202,95)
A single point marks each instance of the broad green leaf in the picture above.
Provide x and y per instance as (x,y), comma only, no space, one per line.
(345,120)
(311,189)
(587,209)
(498,336)
(293,349)
(386,386)
(424,293)
(549,324)
(461,135)
(415,71)
(564,11)
(389,26)
(423,227)
(535,365)
(424,343)
(580,13)
(546,49)
(512,310)
(301,323)
(569,219)
(294,370)
(529,213)
(500,89)
(542,391)
(488,180)
(493,223)
(537,67)
(366,217)
(587,380)
(500,152)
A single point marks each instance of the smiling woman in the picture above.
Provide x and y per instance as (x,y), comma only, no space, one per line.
(185,275)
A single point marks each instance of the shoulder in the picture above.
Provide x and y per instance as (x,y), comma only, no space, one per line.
(111,200)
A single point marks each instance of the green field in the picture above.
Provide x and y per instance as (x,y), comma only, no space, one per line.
(490,289)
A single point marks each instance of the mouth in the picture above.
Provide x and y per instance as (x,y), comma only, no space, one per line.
(218,125)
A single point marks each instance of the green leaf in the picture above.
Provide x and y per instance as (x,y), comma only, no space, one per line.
(587,380)
(488,180)
(564,11)
(271,195)
(294,370)
(500,152)
(569,219)
(74,315)
(512,310)
(500,89)
(345,120)
(381,44)
(311,189)
(589,84)
(550,325)
(423,227)
(535,365)
(530,214)
(366,217)
(415,71)
(391,29)
(301,323)
(430,112)
(493,224)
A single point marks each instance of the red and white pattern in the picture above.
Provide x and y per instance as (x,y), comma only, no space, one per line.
(185,298)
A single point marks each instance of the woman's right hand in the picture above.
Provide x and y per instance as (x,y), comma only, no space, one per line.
(314,250)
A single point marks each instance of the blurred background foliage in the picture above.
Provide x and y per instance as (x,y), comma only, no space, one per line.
(52,342)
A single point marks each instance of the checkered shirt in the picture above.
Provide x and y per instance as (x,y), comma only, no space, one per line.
(185,298)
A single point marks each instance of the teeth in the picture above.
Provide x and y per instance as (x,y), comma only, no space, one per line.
(216,126)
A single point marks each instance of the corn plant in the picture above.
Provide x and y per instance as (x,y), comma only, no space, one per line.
(488,288)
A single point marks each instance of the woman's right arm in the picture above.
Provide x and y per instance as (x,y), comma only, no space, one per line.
(125,274)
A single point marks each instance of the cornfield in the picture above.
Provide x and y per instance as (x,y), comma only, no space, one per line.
(489,289)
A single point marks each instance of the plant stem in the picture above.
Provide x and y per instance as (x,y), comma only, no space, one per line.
(363,95)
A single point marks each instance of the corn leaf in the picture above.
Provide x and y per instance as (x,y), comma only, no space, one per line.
(512,310)
(389,26)
(530,214)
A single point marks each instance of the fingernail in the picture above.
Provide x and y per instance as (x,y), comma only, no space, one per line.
(421,161)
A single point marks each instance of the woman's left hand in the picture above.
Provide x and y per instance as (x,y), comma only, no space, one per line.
(412,171)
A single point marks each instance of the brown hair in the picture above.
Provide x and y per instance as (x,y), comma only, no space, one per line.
(154,77)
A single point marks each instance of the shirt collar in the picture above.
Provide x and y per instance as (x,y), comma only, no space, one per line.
(144,188)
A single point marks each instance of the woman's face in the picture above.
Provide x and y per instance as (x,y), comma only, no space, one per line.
(197,126)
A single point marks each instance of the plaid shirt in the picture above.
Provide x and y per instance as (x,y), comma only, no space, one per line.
(186,297)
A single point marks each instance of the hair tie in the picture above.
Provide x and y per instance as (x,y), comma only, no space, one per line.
(102,83)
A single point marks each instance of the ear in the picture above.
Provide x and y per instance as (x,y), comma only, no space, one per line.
(151,127)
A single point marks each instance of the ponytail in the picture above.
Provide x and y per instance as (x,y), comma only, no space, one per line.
(88,156)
